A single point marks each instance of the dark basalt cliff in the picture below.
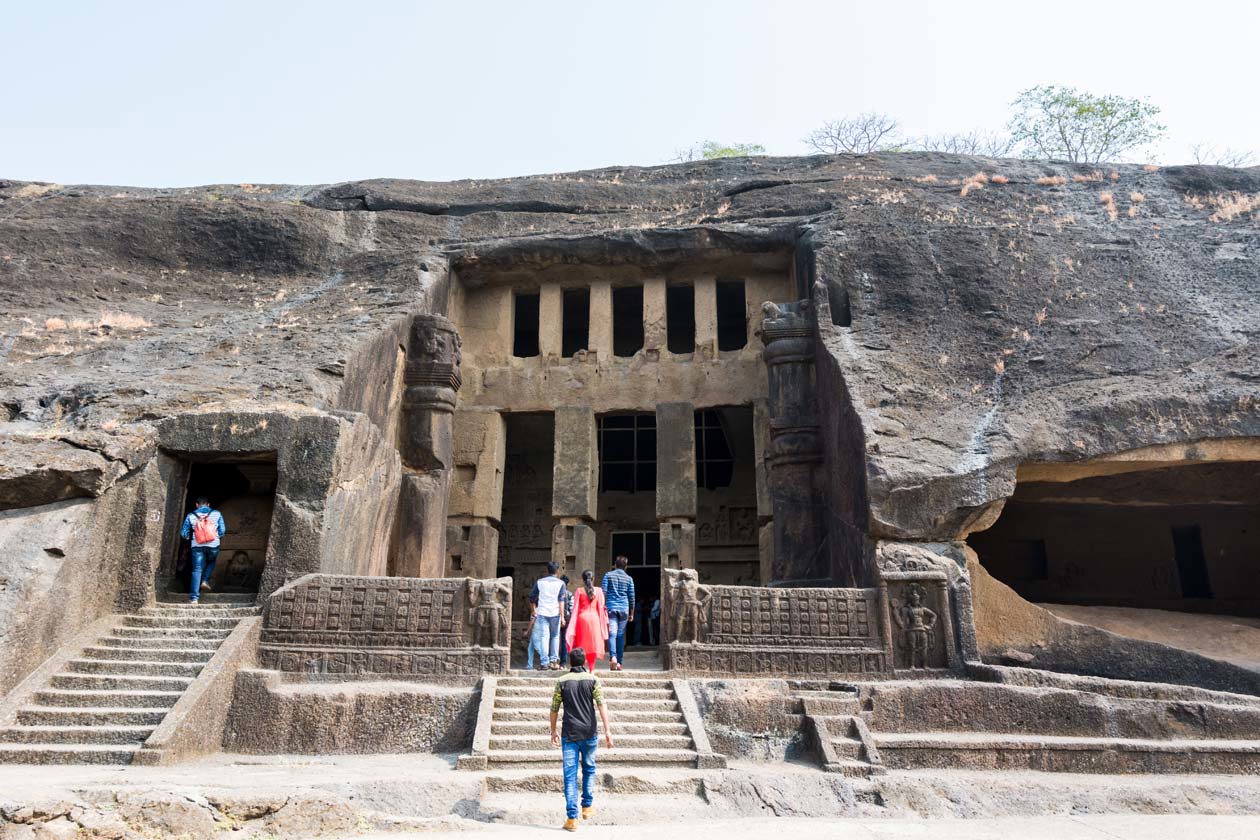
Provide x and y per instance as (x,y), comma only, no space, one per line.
(987,312)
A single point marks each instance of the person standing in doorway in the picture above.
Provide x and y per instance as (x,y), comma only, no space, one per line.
(580,694)
(203,527)
(545,602)
(618,589)
(654,621)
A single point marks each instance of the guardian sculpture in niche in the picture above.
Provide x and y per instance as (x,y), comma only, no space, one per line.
(918,626)
(488,602)
(691,606)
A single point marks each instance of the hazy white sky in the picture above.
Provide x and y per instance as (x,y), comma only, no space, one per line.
(179,93)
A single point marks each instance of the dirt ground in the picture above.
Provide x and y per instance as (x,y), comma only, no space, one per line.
(1231,638)
(1025,828)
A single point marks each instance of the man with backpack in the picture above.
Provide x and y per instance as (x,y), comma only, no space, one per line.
(204,526)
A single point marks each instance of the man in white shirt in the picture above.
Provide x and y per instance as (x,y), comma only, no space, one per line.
(546,601)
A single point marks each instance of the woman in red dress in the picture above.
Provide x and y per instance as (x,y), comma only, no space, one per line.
(588,625)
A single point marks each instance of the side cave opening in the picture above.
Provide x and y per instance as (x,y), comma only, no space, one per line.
(526,521)
(1181,537)
(243,490)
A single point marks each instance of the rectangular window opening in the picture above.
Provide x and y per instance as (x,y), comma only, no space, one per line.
(715,462)
(627,453)
(680,319)
(732,315)
(525,325)
(627,303)
(576,321)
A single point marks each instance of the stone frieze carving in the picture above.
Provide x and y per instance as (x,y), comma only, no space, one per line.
(347,626)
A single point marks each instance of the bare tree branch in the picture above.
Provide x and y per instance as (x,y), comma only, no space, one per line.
(987,144)
(1208,155)
(862,134)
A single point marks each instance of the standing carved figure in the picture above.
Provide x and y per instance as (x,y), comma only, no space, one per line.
(918,625)
(488,612)
(691,605)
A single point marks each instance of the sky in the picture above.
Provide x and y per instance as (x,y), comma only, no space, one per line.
(180,93)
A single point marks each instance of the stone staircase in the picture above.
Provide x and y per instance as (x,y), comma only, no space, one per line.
(842,740)
(653,717)
(107,701)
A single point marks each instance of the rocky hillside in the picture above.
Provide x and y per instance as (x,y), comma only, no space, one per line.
(989,311)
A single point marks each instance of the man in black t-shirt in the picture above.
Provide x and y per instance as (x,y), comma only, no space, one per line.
(580,694)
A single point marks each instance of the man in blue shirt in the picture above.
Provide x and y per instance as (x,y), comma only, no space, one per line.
(618,589)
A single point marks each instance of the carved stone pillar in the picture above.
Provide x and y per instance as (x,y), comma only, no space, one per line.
(431,379)
(574,489)
(676,484)
(794,456)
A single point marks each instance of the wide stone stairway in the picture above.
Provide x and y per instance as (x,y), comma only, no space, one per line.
(653,720)
(107,701)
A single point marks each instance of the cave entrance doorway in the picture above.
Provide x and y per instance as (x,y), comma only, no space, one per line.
(643,551)
(243,489)
(1181,536)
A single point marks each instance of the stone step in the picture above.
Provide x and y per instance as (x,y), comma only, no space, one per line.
(1066,753)
(107,699)
(853,768)
(613,682)
(610,692)
(113,682)
(228,599)
(67,754)
(200,611)
(75,734)
(69,716)
(167,642)
(621,739)
(214,634)
(656,677)
(543,712)
(136,652)
(617,755)
(192,621)
(847,749)
(618,703)
(542,727)
(135,667)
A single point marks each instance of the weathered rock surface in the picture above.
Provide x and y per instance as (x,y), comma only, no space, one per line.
(993,311)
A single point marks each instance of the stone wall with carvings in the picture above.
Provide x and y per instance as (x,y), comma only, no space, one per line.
(916,620)
(334,626)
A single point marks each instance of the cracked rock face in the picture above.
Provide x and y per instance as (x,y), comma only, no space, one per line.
(988,312)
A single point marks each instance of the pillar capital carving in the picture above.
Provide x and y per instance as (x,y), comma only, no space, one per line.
(433,354)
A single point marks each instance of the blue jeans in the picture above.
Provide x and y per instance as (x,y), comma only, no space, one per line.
(617,635)
(549,645)
(573,752)
(536,645)
(203,557)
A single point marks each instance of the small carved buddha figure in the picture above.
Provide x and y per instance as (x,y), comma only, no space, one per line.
(918,624)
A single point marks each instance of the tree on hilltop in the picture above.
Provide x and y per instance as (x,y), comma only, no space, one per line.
(1063,123)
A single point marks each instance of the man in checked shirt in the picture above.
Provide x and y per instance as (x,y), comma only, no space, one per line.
(580,694)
